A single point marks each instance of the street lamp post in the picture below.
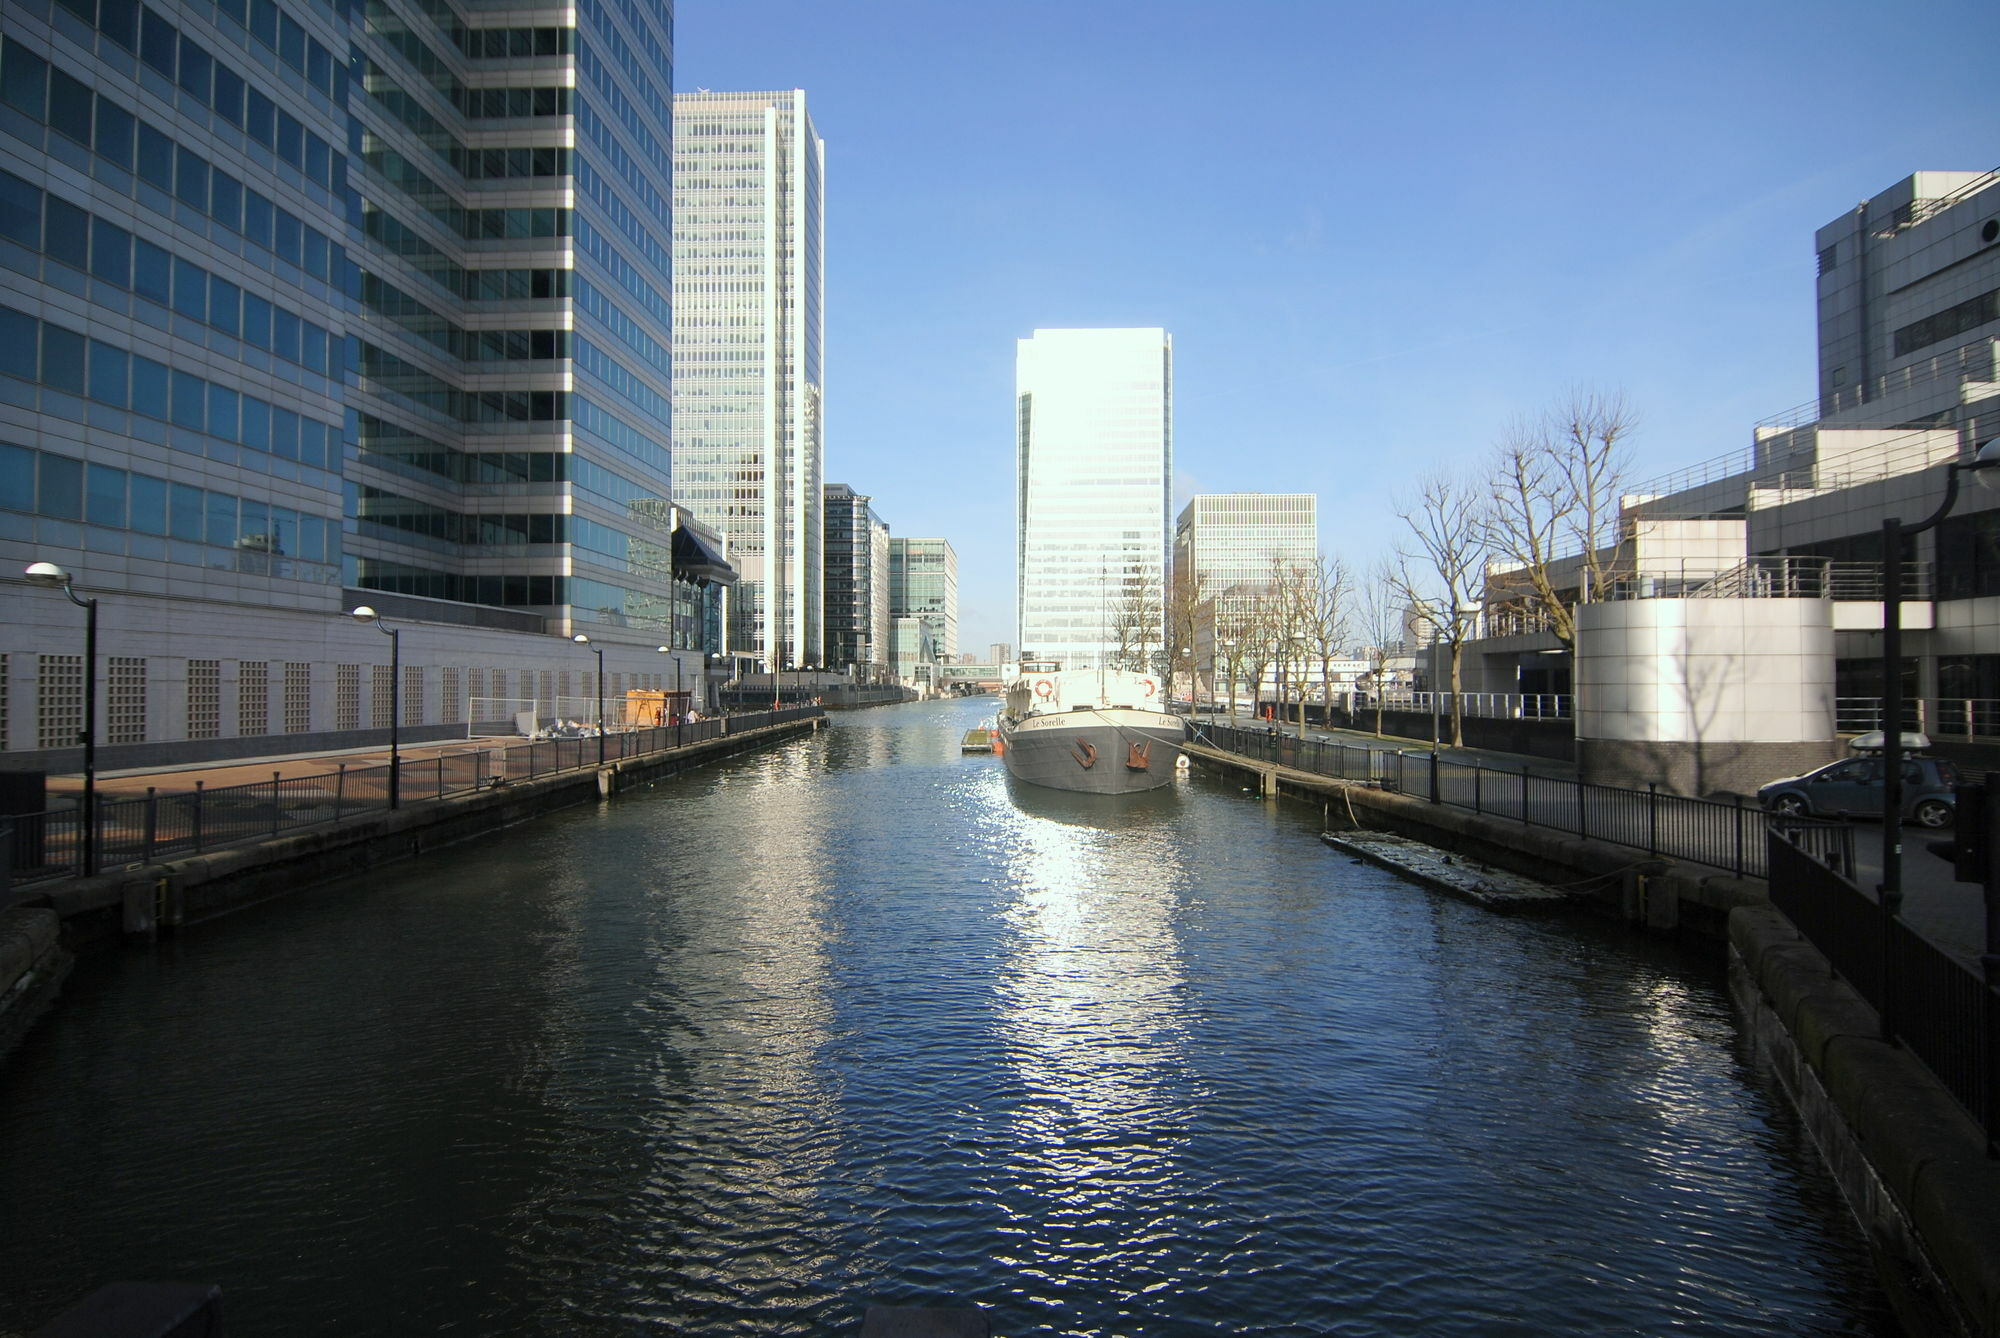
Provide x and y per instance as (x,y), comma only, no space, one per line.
(1985,467)
(582,640)
(669,650)
(364,614)
(49,574)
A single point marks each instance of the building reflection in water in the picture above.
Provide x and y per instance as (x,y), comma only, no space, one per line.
(1092,1020)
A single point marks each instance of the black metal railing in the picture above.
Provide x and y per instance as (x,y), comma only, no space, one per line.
(1724,835)
(1935,1004)
(155,826)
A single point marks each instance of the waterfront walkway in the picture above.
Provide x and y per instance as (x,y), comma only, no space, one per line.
(1949,913)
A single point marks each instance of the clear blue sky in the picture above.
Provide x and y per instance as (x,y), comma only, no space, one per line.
(1375,232)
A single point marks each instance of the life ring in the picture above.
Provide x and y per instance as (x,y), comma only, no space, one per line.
(1044,688)
(1151,686)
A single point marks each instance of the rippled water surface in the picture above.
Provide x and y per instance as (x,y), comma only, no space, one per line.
(855,1019)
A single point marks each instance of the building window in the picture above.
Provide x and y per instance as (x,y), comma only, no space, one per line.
(347,696)
(204,699)
(382,708)
(413,694)
(3,703)
(1828,258)
(253,698)
(59,700)
(1949,323)
(449,700)
(298,697)
(125,700)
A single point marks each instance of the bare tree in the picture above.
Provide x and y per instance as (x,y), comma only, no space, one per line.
(1556,495)
(1327,616)
(1379,604)
(1188,607)
(1289,597)
(1442,579)
(1136,622)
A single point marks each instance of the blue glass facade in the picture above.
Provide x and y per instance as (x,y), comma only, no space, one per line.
(325,296)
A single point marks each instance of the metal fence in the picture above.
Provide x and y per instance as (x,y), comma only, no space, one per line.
(1936,1005)
(156,826)
(1941,717)
(1723,835)
(1476,705)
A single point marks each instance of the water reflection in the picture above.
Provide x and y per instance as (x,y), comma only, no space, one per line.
(1092,1016)
(856,1018)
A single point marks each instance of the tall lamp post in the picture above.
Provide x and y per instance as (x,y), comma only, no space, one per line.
(49,574)
(364,614)
(1985,467)
(582,640)
(669,650)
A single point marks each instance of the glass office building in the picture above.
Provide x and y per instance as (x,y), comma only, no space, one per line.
(923,584)
(306,305)
(747,338)
(1093,473)
(1226,540)
(857,585)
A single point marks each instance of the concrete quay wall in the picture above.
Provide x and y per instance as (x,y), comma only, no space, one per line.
(1909,1161)
(144,899)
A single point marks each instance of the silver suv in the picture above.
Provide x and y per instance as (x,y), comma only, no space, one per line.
(1854,786)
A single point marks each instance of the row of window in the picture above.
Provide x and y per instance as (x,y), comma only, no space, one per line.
(70,107)
(156,41)
(69,361)
(595,245)
(44,483)
(381,296)
(114,256)
(1949,323)
(1968,556)
(471,224)
(131,144)
(405,516)
(405,451)
(471,285)
(470,163)
(470,102)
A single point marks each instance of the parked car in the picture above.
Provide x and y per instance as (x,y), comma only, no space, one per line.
(1854,786)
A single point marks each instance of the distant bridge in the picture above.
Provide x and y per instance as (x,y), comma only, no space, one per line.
(968,677)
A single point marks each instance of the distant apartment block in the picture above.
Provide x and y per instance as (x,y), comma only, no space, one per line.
(748,329)
(1094,470)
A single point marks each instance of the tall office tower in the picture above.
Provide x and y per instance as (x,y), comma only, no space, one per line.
(1093,473)
(1226,540)
(857,585)
(923,583)
(747,333)
(304,306)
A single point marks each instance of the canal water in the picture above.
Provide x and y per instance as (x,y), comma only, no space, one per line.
(855,1019)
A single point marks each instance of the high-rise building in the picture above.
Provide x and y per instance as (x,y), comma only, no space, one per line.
(1239,539)
(857,585)
(1094,469)
(308,306)
(747,333)
(923,583)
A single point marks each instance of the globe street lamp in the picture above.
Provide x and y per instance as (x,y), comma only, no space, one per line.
(364,614)
(1984,466)
(585,641)
(49,574)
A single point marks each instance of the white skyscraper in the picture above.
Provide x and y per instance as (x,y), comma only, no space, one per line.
(748,327)
(1093,473)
